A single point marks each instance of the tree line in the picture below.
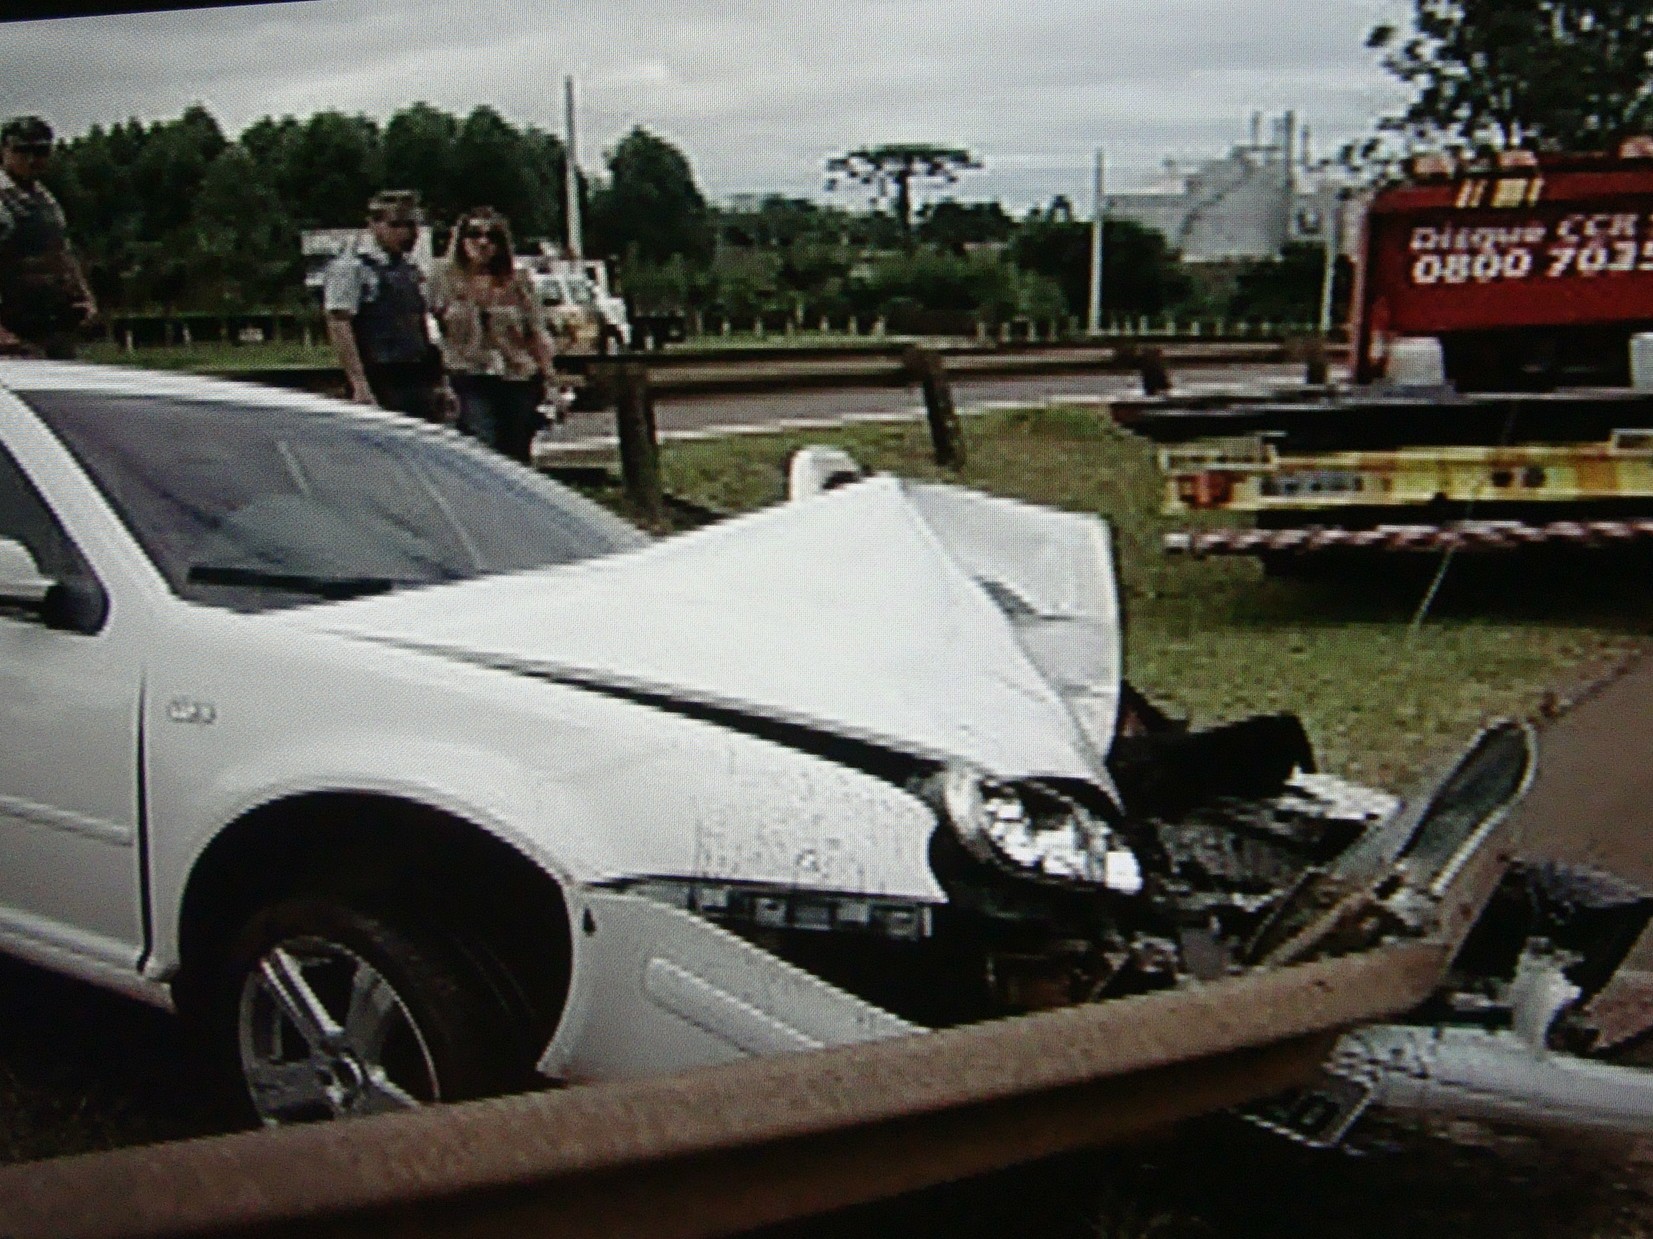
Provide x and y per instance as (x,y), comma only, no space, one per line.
(176,215)
(1569,75)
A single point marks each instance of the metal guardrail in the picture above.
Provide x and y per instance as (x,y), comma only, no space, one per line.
(679,374)
(750,1144)
(713,372)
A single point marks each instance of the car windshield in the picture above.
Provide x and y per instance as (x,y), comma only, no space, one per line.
(256,507)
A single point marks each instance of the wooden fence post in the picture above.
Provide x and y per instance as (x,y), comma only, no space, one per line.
(946,434)
(1149,360)
(1316,370)
(639,444)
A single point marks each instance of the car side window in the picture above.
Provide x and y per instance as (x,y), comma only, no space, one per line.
(25,518)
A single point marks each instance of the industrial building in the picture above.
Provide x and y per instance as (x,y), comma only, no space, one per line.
(1247,204)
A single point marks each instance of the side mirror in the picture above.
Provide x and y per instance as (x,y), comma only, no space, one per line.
(816,469)
(21,585)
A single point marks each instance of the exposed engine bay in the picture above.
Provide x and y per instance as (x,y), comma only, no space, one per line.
(1056,896)
(1232,851)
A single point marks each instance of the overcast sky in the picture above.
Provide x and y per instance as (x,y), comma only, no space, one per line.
(756,94)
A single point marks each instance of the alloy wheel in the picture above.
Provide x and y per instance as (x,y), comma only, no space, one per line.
(324,1034)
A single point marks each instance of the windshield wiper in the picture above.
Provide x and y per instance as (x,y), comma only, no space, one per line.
(329,587)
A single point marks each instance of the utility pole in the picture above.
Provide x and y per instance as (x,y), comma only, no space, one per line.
(1334,245)
(1093,322)
(1288,167)
(571,176)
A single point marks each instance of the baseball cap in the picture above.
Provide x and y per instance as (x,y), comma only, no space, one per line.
(403,203)
(26,131)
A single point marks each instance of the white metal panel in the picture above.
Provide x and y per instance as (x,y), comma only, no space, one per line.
(1493,1075)
(589,786)
(1060,566)
(1416,361)
(659,989)
(69,702)
(69,787)
(1641,361)
(843,612)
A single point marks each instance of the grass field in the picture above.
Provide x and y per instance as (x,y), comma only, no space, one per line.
(1383,697)
(212,356)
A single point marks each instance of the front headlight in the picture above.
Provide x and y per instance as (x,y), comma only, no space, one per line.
(1037,830)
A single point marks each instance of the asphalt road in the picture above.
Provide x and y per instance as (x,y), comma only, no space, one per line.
(706,415)
(1592,800)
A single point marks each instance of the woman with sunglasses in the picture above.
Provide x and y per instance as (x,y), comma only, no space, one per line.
(494,342)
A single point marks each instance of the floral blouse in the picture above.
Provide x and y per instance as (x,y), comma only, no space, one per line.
(487,338)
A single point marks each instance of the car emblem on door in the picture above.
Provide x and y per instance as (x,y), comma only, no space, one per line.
(183,710)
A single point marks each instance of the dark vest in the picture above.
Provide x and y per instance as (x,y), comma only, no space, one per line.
(37,290)
(390,319)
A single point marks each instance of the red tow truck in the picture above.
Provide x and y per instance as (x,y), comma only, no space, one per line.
(1502,367)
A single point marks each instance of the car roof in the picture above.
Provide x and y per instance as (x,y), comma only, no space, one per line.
(20,376)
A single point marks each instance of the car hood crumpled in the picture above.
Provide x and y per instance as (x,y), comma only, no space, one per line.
(924,618)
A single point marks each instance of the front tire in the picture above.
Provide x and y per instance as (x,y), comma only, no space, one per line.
(330,1011)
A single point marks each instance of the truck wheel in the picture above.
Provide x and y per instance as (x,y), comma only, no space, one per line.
(329,1011)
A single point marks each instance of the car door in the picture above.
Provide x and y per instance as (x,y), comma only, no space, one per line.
(70,825)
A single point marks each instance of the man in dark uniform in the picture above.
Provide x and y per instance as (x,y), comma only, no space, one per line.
(377,316)
(44,297)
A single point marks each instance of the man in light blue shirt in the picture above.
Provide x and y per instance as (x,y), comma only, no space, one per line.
(374,299)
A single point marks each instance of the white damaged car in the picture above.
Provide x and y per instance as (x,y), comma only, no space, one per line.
(410,775)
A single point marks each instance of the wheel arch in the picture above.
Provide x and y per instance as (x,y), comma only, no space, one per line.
(382,852)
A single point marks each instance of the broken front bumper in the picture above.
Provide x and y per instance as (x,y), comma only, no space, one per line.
(661,989)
